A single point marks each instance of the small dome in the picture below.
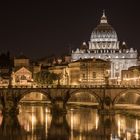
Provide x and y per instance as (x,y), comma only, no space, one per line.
(123,46)
(104,32)
(84,46)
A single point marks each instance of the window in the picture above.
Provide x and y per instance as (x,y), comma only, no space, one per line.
(117,74)
(23,77)
(83,64)
(126,75)
(94,75)
(84,76)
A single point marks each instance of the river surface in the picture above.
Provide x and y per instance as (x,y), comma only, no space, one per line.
(80,123)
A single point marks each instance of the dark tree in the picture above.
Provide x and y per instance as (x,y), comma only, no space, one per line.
(45,77)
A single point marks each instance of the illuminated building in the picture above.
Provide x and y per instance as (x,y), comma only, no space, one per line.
(21,73)
(83,72)
(88,71)
(61,70)
(104,45)
(131,76)
(21,61)
(22,76)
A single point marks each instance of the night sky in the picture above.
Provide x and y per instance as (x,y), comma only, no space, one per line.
(42,28)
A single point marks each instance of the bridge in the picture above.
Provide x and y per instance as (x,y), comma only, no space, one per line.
(106,96)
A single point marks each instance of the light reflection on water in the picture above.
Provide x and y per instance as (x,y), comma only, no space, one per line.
(37,123)
(32,118)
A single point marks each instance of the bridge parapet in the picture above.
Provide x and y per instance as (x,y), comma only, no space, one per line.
(73,86)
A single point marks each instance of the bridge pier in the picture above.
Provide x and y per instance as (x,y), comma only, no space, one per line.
(59,107)
(10,104)
(106,111)
(106,106)
(10,127)
(59,128)
(10,108)
(106,126)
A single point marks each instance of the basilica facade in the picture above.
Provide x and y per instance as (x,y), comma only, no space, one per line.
(104,45)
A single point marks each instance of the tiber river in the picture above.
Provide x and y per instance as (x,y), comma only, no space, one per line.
(80,123)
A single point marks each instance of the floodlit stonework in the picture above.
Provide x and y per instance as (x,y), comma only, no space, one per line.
(89,72)
(22,77)
(104,45)
(131,76)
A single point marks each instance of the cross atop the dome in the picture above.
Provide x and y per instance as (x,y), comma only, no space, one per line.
(103,18)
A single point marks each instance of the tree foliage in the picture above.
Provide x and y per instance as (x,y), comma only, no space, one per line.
(45,77)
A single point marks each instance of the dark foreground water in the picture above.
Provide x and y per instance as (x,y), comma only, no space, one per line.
(37,123)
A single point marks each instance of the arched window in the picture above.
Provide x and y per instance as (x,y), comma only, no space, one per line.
(23,77)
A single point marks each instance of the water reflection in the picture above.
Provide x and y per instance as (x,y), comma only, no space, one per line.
(86,124)
(59,129)
(10,128)
(82,120)
(128,128)
(37,123)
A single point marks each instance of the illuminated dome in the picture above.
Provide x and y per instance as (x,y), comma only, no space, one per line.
(104,32)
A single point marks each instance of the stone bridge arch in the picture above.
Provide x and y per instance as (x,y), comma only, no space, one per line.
(13,97)
(124,92)
(87,91)
(23,93)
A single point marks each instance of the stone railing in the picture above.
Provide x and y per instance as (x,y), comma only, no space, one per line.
(74,86)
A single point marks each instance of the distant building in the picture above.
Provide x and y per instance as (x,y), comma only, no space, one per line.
(131,76)
(53,60)
(22,77)
(21,61)
(83,72)
(36,68)
(46,61)
(61,70)
(104,45)
(22,72)
(89,72)
(67,59)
